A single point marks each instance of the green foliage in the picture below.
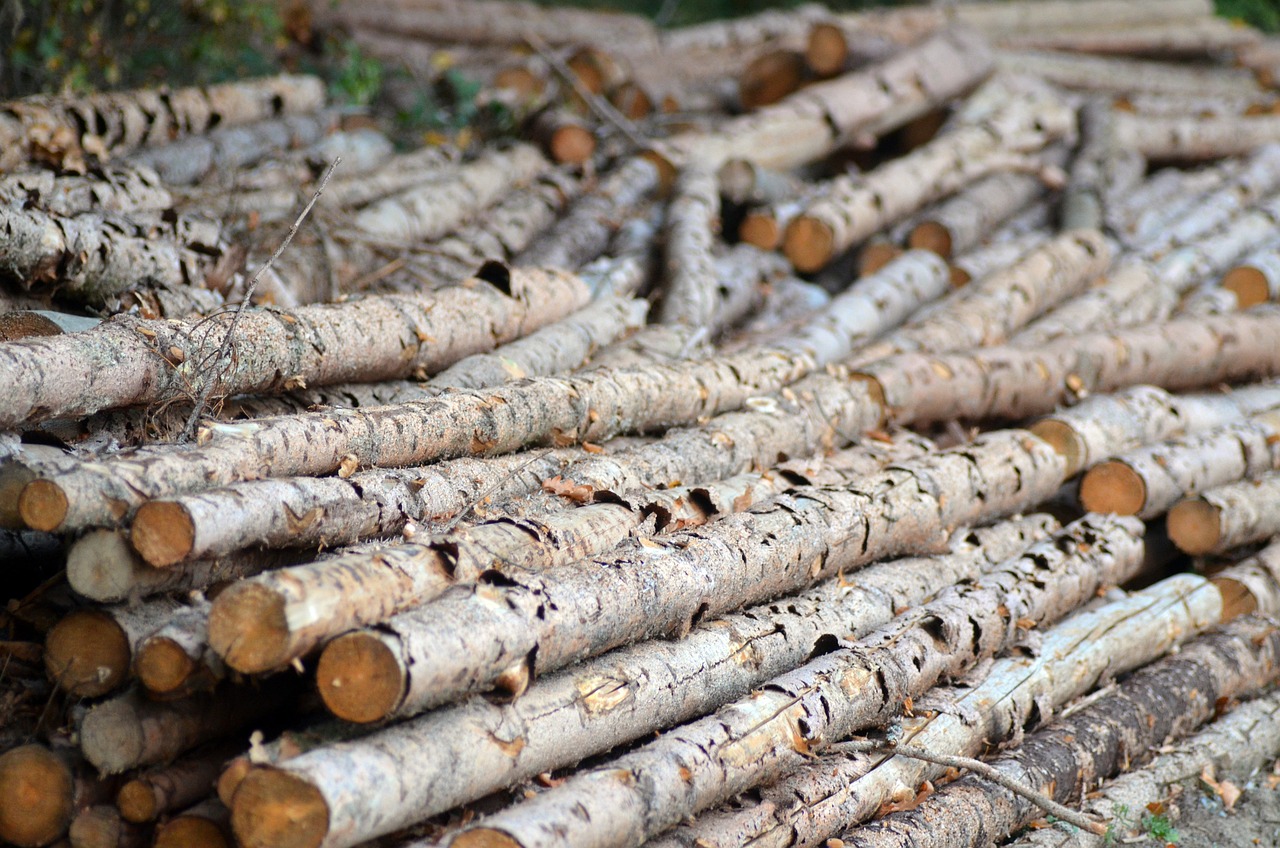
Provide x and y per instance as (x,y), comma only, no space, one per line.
(1263,14)
(357,78)
(1159,827)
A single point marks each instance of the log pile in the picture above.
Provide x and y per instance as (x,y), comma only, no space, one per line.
(804,406)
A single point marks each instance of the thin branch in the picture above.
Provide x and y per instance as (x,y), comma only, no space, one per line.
(603,108)
(224,349)
(981,769)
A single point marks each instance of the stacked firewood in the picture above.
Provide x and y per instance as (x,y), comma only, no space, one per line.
(845,398)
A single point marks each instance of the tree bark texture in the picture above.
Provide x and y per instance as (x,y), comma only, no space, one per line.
(825,796)
(1122,76)
(100,826)
(173,787)
(109,188)
(560,410)
(671,583)
(1227,516)
(126,361)
(758,738)
(853,209)
(1157,704)
(133,119)
(609,700)
(989,258)
(1193,138)
(175,660)
(961,223)
(1186,39)
(1148,481)
(693,218)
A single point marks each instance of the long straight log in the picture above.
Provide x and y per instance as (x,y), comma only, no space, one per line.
(825,796)
(693,217)
(1178,39)
(1157,704)
(853,209)
(758,738)
(1227,516)
(590,407)
(127,361)
(1122,76)
(961,223)
(1195,138)
(1148,481)
(604,702)
(109,188)
(542,622)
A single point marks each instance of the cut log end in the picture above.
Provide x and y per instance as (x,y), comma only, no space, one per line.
(1249,285)
(163,533)
(100,566)
(769,78)
(163,666)
(42,505)
(111,736)
(87,654)
(760,229)
(572,144)
(277,809)
(933,236)
(231,778)
(959,277)
(877,255)
(136,802)
(1237,600)
(828,50)
(248,628)
(809,243)
(359,678)
(189,832)
(1113,486)
(36,790)
(1194,526)
(483,837)
(1064,440)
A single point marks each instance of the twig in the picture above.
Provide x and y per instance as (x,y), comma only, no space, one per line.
(189,430)
(981,769)
(603,108)
(480,498)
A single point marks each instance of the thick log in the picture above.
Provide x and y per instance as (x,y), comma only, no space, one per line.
(771,76)
(90,652)
(205,825)
(758,738)
(1148,481)
(607,701)
(172,787)
(834,791)
(108,188)
(127,361)
(40,791)
(175,660)
(671,583)
(1195,138)
(853,209)
(1105,425)
(693,218)
(129,119)
(816,121)
(1157,704)
(430,211)
(129,731)
(1226,516)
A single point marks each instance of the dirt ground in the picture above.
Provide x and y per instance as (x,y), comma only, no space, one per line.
(1255,820)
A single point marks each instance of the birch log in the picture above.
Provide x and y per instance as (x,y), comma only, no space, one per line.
(961,223)
(90,651)
(692,221)
(41,789)
(1150,480)
(822,798)
(1196,138)
(174,660)
(1256,278)
(127,361)
(602,703)
(758,738)
(1094,742)
(107,188)
(851,210)
(172,787)
(1122,76)
(1227,516)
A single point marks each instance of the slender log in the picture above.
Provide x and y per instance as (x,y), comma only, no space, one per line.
(738,34)
(430,211)
(692,221)
(1256,278)
(610,700)
(776,728)
(1095,742)
(832,792)
(175,660)
(90,652)
(194,158)
(107,188)
(1105,425)
(40,791)
(1167,196)
(814,532)
(1083,200)
(101,827)
(988,311)
(385,337)
(1179,39)
(961,223)
(1148,481)
(584,233)
(853,209)
(1013,383)
(1196,138)
(745,182)
(205,825)
(125,120)
(129,731)
(982,261)
(1226,516)
(1122,76)
(814,122)
(1234,747)
(172,787)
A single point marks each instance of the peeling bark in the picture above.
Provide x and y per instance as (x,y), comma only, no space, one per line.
(110,188)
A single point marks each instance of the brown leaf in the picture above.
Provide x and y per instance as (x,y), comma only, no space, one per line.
(348,466)
(576,492)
